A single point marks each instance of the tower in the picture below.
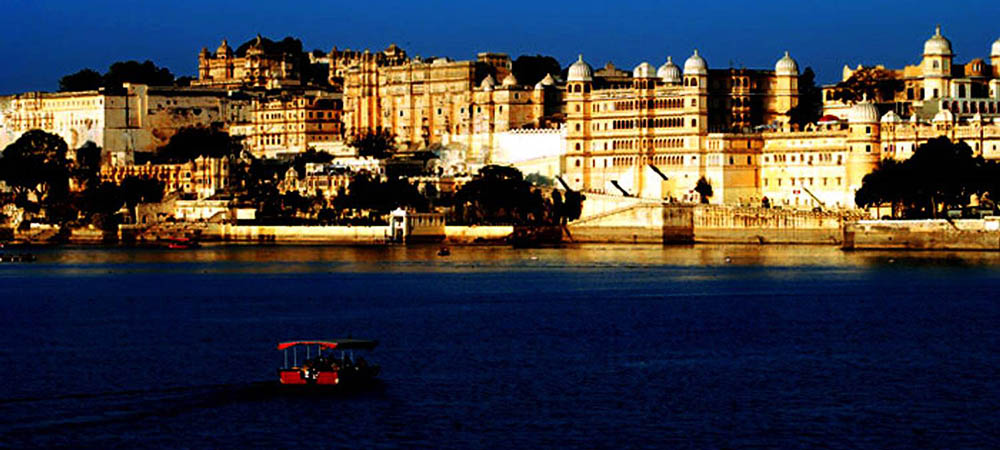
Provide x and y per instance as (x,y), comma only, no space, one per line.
(936,65)
(579,82)
(786,95)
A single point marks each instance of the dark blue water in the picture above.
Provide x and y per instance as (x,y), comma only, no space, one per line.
(586,347)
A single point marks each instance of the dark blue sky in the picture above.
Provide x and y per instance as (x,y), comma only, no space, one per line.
(41,40)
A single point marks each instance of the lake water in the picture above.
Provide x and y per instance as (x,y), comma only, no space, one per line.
(585,347)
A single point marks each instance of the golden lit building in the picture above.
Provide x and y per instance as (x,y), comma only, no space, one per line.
(203,177)
(938,82)
(656,133)
(291,124)
(260,66)
(461,104)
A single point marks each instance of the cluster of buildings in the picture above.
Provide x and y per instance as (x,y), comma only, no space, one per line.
(651,133)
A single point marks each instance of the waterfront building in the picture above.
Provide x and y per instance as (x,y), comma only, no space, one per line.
(121,121)
(654,134)
(202,177)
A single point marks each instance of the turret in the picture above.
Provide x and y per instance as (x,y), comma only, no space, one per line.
(936,65)
(579,81)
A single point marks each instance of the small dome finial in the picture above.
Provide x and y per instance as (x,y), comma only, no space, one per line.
(937,30)
(787,55)
(670,58)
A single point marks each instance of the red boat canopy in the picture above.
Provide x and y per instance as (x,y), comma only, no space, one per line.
(343,344)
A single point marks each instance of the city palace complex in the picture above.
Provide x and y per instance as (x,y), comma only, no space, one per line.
(651,132)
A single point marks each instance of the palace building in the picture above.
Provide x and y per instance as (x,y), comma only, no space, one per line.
(289,124)
(122,121)
(463,104)
(261,65)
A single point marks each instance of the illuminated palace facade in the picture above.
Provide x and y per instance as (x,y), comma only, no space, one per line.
(655,135)
(462,104)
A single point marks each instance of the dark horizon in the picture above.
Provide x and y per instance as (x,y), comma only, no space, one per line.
(824,36)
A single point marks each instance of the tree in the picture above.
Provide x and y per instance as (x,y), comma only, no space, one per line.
(88,164)
(135,72)
(531,69)
(939,175)
(872,83)
(379,144)
(703,188)
(810,106)
(309,156)
(84,80)
(36,163)
(137,190)
(191,142)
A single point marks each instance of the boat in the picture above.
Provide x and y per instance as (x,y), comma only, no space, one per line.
(17,257)
(181,243)
(444,251)
(331,364)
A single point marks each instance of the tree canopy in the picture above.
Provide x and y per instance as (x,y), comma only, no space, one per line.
(874,83)
(191,142)
(36,163)
(379,144)
(704,189)
(810,106)
(120,72)
(940,175)
(531,69)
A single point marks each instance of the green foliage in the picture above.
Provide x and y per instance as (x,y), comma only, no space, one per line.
(500,195)
(36,163)
(136,72)
(873,83)
(810,106)
(703,188)
(191,142)
(379,144)
(538,179)
(531,69)
(137,190)
(88,164)
(939,175)
(367,192)
(120,72)
(84,80)
(309,156)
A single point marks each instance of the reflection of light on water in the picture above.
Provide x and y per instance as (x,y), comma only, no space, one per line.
(222,259)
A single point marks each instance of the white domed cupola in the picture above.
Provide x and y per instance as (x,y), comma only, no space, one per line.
(786,66)
(937,45)
(643,70)
(509,81)
(488,83)
(864,112)
(891,118)
(995,50)
(695,65)
(669,72)
(580,71)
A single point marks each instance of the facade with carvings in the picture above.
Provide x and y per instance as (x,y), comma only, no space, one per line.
(462,104)
(202,177)
(290,124)
(260,66)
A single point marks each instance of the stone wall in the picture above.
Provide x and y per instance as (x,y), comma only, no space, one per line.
(937,234)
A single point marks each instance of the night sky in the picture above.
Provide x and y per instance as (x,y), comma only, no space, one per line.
(43,40)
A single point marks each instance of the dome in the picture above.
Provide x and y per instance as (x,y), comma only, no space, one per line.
(786,66)
(643,70)
(488,83)
(545,82)
(891,117)
(669,72)
(580,71)
(509,81)
(224,49)
(864,112)
(695,65)
(944,116)
(937,44)
(995,50)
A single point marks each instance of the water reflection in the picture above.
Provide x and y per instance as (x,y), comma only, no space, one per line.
(299,259)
